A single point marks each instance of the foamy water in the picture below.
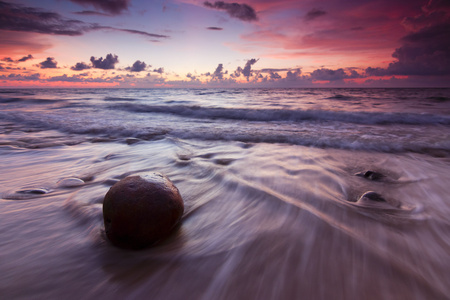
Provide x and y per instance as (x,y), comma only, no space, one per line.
(272,199)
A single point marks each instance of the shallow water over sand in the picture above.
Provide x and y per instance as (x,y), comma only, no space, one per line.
(262,221)
(277,201)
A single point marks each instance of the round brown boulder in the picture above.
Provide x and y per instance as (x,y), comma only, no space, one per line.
(139,211)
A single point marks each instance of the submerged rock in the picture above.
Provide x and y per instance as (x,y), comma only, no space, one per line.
(70,182)
(371,175)
(139,211)
(26,193)
(373,199)
(36,191)
(372,196)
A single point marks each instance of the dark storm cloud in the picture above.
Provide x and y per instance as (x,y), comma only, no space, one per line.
(426,50)
(16,17)
(25,58)
(111,6)
(214,28)
(242,12)
(314,14)
(49,63)
(138,66)
(106,64)
(80,66)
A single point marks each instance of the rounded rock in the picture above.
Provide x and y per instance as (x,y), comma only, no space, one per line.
(139,211)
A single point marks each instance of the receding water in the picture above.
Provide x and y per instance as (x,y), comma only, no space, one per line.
(271,181)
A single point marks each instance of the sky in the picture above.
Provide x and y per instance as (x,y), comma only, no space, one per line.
(208,44)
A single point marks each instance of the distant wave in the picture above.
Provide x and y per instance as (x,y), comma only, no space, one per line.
(316,135)
(28,100)
(438,98)
(341,97)
(118,99)
(283,115)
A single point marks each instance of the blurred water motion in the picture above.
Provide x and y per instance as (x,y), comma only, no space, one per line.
(262,220)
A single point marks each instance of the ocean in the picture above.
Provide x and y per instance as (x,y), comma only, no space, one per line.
(289,193)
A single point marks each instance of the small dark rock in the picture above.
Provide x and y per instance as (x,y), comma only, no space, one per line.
(139,211)
(371,175)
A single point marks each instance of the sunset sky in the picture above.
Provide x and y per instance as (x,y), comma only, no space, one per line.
(197,43)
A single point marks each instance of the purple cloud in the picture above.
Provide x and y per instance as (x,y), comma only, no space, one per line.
(192,77)
(274,75)
(25,58)
(20,77)
(314,14)
(15,17)
(143,33)
(293,76)
(106,64)
(91,13)
(80,66)
(333,75)
(7,59)
(242,12)
(49,63)
(159,70)
(114,7)
(138,66)
(214,28)
(20,18)
(218,73)
(247,71)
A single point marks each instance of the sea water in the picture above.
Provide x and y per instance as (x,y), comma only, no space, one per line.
(272,181)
